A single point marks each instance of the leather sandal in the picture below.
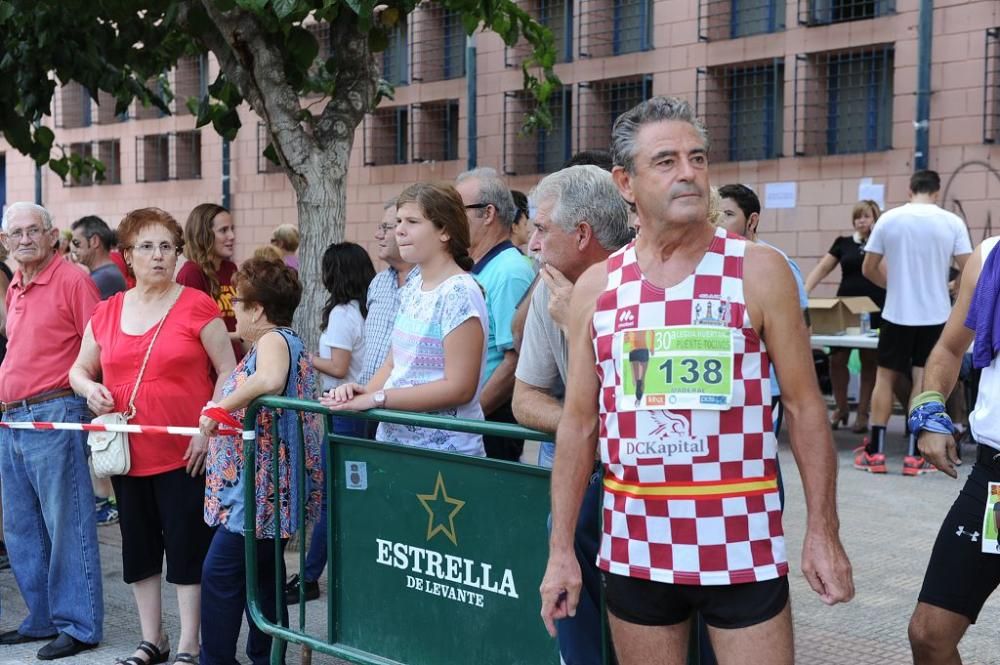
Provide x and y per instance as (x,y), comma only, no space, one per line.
(185,657)
(156,656)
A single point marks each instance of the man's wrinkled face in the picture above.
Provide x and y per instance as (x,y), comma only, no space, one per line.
(27,239)
(552,245)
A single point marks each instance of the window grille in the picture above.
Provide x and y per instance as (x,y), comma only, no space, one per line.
(395,58)
(557,16)
(743,110)
(434,131)
(599,103)
(264,165)
(614,27)
(110,154)
(543,151)
(151,112)
(105,112)
(386,133)
(437,49)
(321,31)
(728,19)
(823,12)
(83,150)
(991,88)
(190,80)
(843,101)
(173,156)
(74,106)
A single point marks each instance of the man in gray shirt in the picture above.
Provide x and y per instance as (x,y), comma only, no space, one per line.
(92,243)
(581,219)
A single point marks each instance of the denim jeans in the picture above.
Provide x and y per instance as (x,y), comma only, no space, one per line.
(224,600)
(316,556)
(50,526)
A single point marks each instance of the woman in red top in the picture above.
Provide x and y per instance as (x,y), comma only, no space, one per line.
(160,500)
(209,245)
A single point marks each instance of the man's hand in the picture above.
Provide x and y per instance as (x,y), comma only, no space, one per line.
(560,588)
(939,450)
(560,290)
(826,567)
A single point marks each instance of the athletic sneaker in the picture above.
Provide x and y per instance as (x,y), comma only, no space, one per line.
(870,463)
(916,466)
(107,512)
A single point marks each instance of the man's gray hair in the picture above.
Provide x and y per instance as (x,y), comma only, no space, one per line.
(494,191)
(624,142)
(43,215)
(586,193)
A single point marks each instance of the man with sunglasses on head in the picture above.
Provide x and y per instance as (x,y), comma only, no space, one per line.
(505,277)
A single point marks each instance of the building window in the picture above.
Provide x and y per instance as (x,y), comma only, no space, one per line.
(386,134)
(106,115)
(321,31)
(728,19)
(843,102)
(615,27)
(437,49)
(187,155)
(74,107)
(83,150)
(395,58)
(190,81)
(991,88)
(265,165)
(599,103)
(743,109)
(434,131)
(110,154)
(544,150)
(152,112)
(557,16)
(175,156)
(823,12)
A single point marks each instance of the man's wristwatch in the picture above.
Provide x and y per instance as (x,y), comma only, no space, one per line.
(379,398)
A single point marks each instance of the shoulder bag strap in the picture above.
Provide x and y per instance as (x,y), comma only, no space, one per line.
(142,370)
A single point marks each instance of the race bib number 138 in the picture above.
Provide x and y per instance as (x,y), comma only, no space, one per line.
(675,367)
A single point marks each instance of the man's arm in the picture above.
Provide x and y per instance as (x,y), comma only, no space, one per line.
(945,361)
(534,407)
(773,303)
(576,441)
(500,386)
(871,269)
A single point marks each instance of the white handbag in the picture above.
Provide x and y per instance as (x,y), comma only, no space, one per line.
(109,451)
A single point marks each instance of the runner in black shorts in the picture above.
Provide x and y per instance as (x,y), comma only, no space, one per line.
(901,348)
(960,575)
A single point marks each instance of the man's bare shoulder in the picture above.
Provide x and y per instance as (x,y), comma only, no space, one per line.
(593,280)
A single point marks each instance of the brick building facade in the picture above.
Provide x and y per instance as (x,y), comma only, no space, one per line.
(820,93)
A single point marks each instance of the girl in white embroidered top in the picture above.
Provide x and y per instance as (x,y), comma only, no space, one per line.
(438,341)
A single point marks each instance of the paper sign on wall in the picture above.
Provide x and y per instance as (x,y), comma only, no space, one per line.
(779,195)
(870,191)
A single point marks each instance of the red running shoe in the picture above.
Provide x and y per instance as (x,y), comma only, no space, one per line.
(870,463)
(917,466)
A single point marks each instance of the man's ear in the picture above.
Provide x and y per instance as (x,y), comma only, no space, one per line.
(584,235)
(752,223)
(624,183)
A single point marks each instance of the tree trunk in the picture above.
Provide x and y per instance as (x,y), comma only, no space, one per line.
(322,207)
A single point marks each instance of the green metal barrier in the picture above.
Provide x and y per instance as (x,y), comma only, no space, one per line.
(434,558)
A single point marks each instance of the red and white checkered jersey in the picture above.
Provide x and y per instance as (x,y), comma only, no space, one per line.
(707,518)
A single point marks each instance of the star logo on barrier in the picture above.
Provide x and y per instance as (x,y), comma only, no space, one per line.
(441,510)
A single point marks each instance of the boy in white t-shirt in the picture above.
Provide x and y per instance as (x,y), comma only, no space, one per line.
(919,242)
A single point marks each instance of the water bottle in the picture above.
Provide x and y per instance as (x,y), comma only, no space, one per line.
(866,323)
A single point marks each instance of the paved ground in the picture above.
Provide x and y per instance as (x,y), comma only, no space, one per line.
(888,526)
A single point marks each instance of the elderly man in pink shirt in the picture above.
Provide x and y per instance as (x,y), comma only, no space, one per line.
(49,519)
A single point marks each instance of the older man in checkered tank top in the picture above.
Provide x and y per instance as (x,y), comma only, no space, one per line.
(691,512)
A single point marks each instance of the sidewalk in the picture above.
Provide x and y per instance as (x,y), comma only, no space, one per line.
(888,524)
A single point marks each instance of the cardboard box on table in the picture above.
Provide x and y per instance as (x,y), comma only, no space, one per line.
(832,316)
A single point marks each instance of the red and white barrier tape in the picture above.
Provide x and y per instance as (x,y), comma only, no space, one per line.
(130,429)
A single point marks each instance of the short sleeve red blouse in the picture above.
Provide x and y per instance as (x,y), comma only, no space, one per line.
(176,384)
